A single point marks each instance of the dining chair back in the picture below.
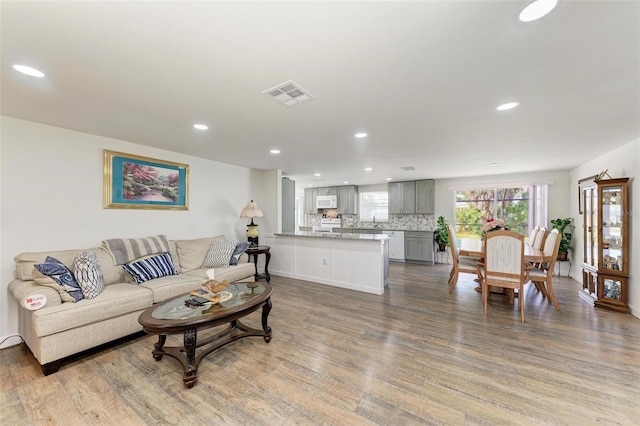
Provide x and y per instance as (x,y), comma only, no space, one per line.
(533,233)
(542,276)
(541,236)
(504,265)
(460,263)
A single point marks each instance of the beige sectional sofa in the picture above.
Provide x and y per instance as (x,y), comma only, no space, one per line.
(58,330)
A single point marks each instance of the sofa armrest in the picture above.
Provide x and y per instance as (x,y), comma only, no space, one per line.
(244,258)
(21,290)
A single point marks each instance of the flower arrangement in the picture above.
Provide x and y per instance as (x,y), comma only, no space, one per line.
(494,225)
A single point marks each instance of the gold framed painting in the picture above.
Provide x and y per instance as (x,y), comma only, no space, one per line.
(135,182)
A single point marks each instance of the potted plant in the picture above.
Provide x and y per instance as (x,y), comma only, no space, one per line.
(563,226)
(441,234)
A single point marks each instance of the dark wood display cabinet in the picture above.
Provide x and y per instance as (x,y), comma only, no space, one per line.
(605,270)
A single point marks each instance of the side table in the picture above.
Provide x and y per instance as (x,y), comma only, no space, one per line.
(254,252)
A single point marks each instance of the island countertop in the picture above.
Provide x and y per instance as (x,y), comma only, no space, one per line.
(335,236)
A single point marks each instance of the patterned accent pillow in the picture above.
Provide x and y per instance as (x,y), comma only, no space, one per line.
(152,267)
(56,270)
(88,274)
(219,254)
(235,257)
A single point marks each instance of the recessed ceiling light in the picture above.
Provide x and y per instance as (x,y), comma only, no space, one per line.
(388,179)
(28,71)
(201,126)
(368,169)
(507,106)
(317,174)
(345,182)
(309,184)
(361,135)
(537,9)
(275,151)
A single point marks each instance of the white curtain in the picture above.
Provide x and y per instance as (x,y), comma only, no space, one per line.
(538,196)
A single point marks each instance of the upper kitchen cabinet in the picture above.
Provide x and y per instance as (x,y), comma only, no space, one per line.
(329,190)
(425,196)
(402,197)
(310,200)
(348,199)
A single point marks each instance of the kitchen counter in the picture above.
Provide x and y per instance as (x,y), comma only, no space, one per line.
(376,230)
(355,261)
(331,235)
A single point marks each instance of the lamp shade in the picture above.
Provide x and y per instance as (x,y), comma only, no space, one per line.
(251,210)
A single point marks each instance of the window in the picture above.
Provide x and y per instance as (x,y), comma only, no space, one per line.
(521,208)
(374,206)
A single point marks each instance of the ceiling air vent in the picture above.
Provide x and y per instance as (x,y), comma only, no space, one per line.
(408,168)
(289,93)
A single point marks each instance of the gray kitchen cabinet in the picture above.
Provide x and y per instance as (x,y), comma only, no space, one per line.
(329,190)
(348,199)
(425,196)
(418,246)
(402,197)
(310,196)
(288,205)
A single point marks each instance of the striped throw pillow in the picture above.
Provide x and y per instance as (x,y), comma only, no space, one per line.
(219,254)
(152,267)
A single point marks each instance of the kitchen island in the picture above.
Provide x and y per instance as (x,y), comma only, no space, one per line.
(354,261)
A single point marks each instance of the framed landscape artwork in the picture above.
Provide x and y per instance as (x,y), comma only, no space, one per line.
(134,182)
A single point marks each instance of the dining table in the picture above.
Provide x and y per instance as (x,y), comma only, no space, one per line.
(474,247)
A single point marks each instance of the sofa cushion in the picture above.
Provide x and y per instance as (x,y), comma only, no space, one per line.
(219,254)
(88,273)
(191,253)
(240,272)
(112,273)
(57,271)
(151,267)
(116,300)
(237,252)
(174,255)
(167,287)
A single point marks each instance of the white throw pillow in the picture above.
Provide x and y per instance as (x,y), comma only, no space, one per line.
(88,274)
(219,254)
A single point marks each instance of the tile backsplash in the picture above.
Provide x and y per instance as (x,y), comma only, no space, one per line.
(409,222)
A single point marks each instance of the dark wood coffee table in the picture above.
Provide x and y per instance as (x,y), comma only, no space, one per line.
(174,317)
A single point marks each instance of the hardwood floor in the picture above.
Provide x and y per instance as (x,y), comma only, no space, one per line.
(416,355)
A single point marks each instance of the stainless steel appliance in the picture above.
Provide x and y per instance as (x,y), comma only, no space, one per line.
(327,225)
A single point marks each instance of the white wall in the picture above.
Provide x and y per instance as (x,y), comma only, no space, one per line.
(558,181)
(51,182)
(622,162)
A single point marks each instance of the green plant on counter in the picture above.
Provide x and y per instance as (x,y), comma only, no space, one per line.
(441,234)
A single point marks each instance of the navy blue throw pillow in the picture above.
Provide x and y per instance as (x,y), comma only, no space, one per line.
(55,269)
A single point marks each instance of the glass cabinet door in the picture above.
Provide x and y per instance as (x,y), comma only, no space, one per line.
(613,218)
(590,226)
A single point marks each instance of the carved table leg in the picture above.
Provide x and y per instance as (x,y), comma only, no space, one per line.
(266,266)
(265,314)
(190,369)
(158,351)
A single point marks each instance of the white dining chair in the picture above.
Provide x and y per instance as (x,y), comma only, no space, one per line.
(542,276)
(504,266)
(465,264)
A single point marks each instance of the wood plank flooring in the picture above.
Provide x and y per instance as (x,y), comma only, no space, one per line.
(416,355)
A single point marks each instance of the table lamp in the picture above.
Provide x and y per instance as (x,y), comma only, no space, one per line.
(252,210)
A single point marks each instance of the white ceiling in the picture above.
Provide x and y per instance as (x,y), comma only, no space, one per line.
(421,78)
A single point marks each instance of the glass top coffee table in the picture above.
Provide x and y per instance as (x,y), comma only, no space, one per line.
(174,317)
